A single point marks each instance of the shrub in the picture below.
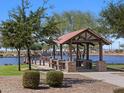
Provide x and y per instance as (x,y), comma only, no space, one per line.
(31,79)
(119,90)
(54,78)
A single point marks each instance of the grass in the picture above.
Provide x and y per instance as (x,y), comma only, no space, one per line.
(116,66)
(12,70)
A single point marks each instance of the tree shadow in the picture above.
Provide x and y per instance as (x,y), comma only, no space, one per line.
(72,81)
(69,82)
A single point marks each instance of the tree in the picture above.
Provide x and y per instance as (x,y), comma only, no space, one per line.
(21,28)
(12,37)
(122,46)
(36,46)
(26,28)
(74,20)
(48,32)
(103,28)
(114,16)
(32,24)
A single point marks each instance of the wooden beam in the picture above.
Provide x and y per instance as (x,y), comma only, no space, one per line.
(87,52)
(70,52)
(100,51)
(61,55)
(89,44)
(86,41)
(85,35)
(77,54)
(90,37)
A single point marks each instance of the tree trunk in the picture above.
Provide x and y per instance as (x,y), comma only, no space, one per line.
(19,65)
(29,58)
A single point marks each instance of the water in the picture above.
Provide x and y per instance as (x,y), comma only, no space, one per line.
(9,60)
(108,59)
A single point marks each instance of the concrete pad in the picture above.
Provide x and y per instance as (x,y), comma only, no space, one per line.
(107,77)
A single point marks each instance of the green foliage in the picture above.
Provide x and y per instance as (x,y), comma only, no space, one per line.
(26,27)
(116,66)
(103,28)
(120,90)
(10,35)
(114,16)
(49,31)
(54,78)
(36,46)
(11,70)
(118,50)
(74,20)
(31,79)
(122,46)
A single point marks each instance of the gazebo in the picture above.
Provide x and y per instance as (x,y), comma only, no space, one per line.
(83,37)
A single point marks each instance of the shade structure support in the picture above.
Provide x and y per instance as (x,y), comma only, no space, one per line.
(87,51)
(77,54)
(61,54)
(54,51)
(100,51)
(70,52)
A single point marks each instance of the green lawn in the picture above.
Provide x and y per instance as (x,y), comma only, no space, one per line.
(12,70)
(116,66)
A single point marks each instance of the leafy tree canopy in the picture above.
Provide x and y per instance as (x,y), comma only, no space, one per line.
(74,20)
(114,17)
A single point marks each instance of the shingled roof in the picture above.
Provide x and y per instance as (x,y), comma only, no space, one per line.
(65,38)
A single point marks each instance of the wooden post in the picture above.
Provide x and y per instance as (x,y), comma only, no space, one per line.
(43,62)
(87,52)
(61,51)
(54,51)
(100,52)
(40,61)
(70,52)
(77,56)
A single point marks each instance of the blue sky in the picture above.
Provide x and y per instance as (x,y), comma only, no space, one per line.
(93,6)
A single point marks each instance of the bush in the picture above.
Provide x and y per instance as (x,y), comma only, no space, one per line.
(31,79)
(54,78)
(119,90)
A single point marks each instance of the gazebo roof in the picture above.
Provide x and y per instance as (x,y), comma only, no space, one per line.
(87,35)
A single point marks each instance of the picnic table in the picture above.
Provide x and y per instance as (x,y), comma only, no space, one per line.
(57,64)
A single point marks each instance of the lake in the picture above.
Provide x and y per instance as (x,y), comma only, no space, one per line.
(9,60)
(107,58)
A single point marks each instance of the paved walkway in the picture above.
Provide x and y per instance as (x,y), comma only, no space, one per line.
(108,77)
